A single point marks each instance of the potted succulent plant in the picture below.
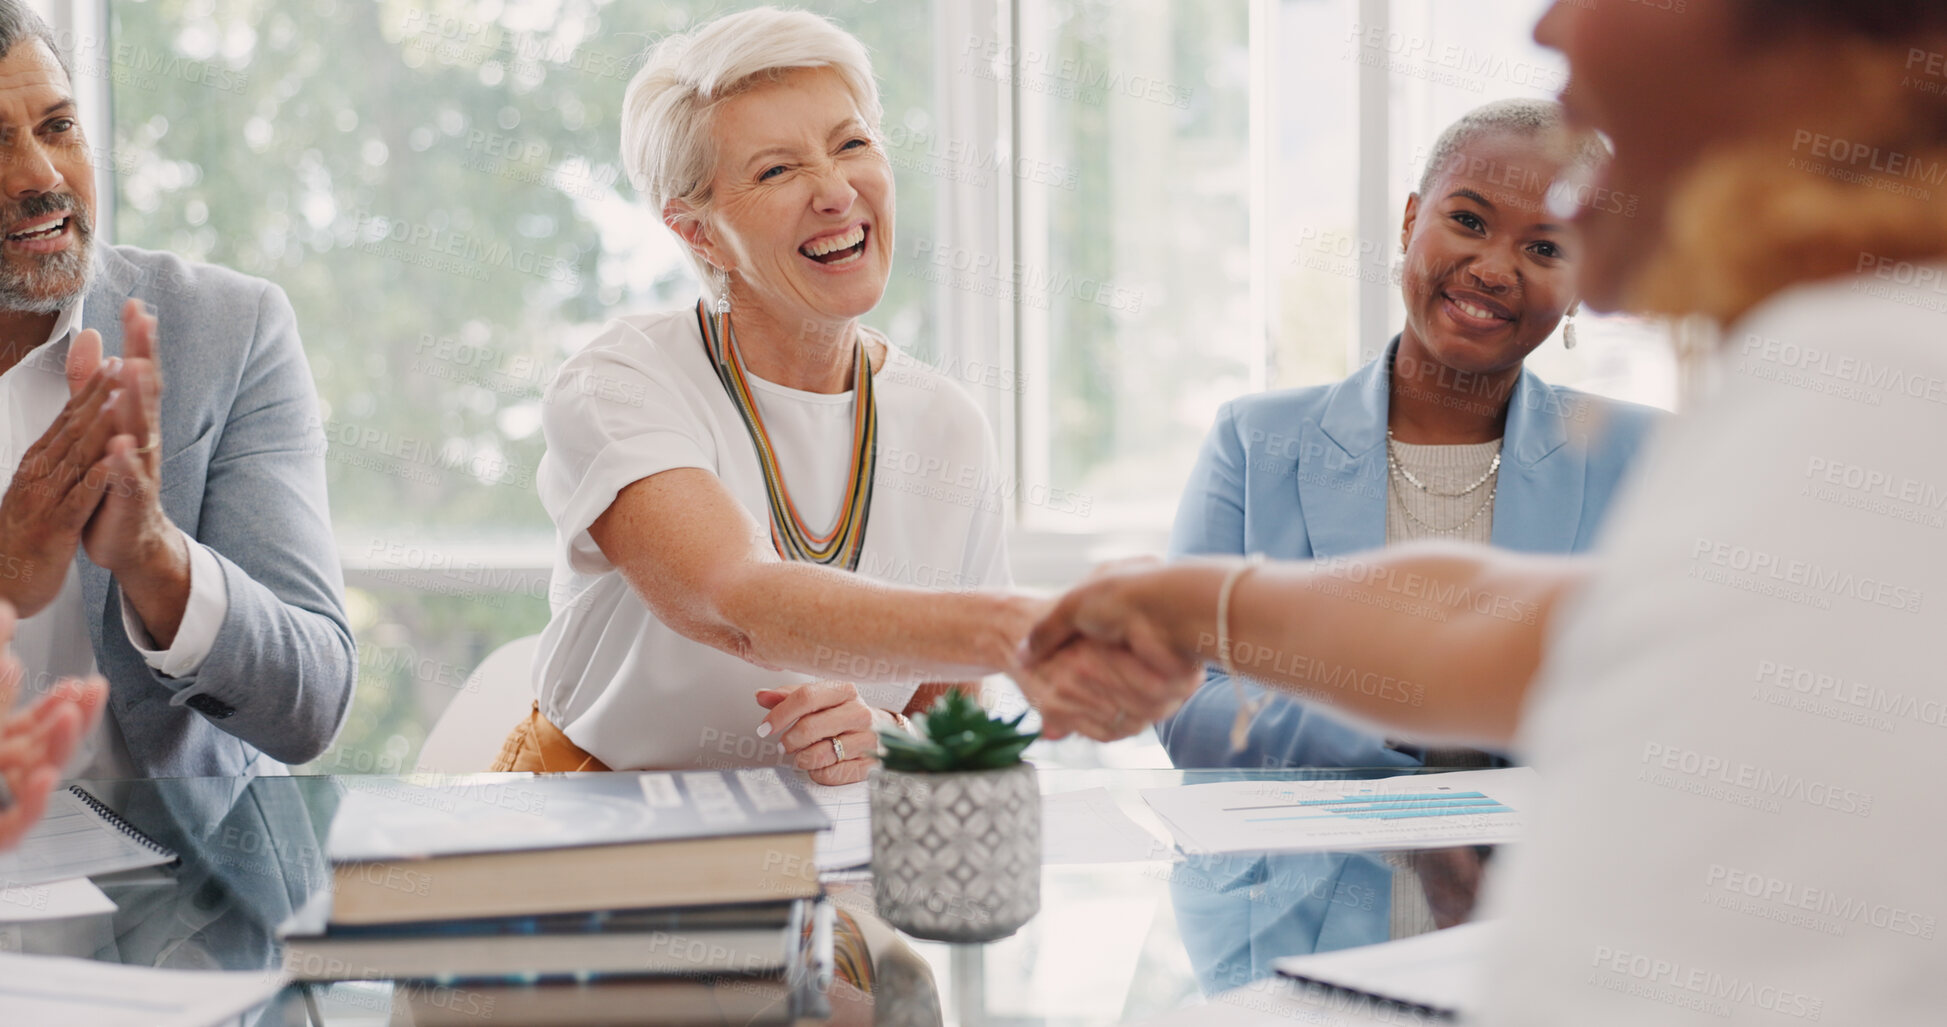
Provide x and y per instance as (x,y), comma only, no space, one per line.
(956,825)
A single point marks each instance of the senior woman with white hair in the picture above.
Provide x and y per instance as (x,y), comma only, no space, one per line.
(751,513)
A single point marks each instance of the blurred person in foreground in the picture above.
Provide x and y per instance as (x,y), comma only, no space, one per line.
(776,532)
(173,537)
(1731,703)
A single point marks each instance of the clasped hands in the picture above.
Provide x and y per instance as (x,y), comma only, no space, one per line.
(93,482)
(1102,662)
(1099,662)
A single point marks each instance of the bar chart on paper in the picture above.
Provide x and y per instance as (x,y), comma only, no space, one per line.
(1414,811)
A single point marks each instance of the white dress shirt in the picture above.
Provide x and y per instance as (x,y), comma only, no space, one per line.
(54,643)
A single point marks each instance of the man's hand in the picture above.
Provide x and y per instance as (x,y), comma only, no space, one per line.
(37,741)
(60,482)
(130,536)
(806,719)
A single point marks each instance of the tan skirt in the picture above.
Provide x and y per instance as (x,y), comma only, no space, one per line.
(536,746)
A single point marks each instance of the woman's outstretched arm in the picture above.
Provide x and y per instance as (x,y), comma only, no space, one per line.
(1434,640)
(707,569)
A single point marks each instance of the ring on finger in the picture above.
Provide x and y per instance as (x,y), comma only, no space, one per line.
(838,748)
(155,443)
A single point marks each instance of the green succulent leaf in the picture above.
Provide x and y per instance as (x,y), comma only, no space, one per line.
(957,735)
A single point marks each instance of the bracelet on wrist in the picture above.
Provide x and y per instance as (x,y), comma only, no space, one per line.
(1240,728)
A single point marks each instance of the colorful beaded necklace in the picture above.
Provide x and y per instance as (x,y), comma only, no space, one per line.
(794,541)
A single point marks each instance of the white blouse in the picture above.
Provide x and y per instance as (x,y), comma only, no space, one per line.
(643,398)
(1741,726)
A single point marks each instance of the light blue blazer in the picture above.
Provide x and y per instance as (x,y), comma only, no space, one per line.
(1300,474)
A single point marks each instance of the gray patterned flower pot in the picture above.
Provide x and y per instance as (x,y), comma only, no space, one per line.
(957,857)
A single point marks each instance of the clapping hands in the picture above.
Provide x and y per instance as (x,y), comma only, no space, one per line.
(93,479)
(129,530)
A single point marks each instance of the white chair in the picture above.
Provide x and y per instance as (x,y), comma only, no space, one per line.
(467,736)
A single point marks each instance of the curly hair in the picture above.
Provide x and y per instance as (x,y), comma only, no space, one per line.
(1880,20)
(1745,224)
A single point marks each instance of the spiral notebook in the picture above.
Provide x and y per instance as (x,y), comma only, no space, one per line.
(79,837)
(1428,977)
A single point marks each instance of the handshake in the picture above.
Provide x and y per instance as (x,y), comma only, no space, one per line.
(1120,651)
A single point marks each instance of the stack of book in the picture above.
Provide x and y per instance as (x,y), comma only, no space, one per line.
(602,898)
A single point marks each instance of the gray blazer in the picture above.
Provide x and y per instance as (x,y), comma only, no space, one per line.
(242,473)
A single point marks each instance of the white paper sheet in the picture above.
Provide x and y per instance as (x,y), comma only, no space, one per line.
(86,993)
(1439,969)
(53,901)
(848,842)
(72,840)
(1086,826)
(1417,811)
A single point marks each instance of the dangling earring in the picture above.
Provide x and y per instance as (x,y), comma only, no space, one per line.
(723,291)
(1568,333)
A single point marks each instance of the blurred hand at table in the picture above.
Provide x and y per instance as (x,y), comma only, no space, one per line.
(36,742)
(1451,879)
(806,719)
(1099,665)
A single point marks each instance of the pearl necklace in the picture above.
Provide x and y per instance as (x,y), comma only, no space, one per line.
(1401,473)
(1392,461)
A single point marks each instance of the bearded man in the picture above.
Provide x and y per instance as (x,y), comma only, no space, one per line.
(164,521)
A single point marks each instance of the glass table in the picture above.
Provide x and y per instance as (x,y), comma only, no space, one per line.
(1114,942)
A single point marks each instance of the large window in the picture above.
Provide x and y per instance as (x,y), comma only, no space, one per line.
(1114,215)
(1134,260)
